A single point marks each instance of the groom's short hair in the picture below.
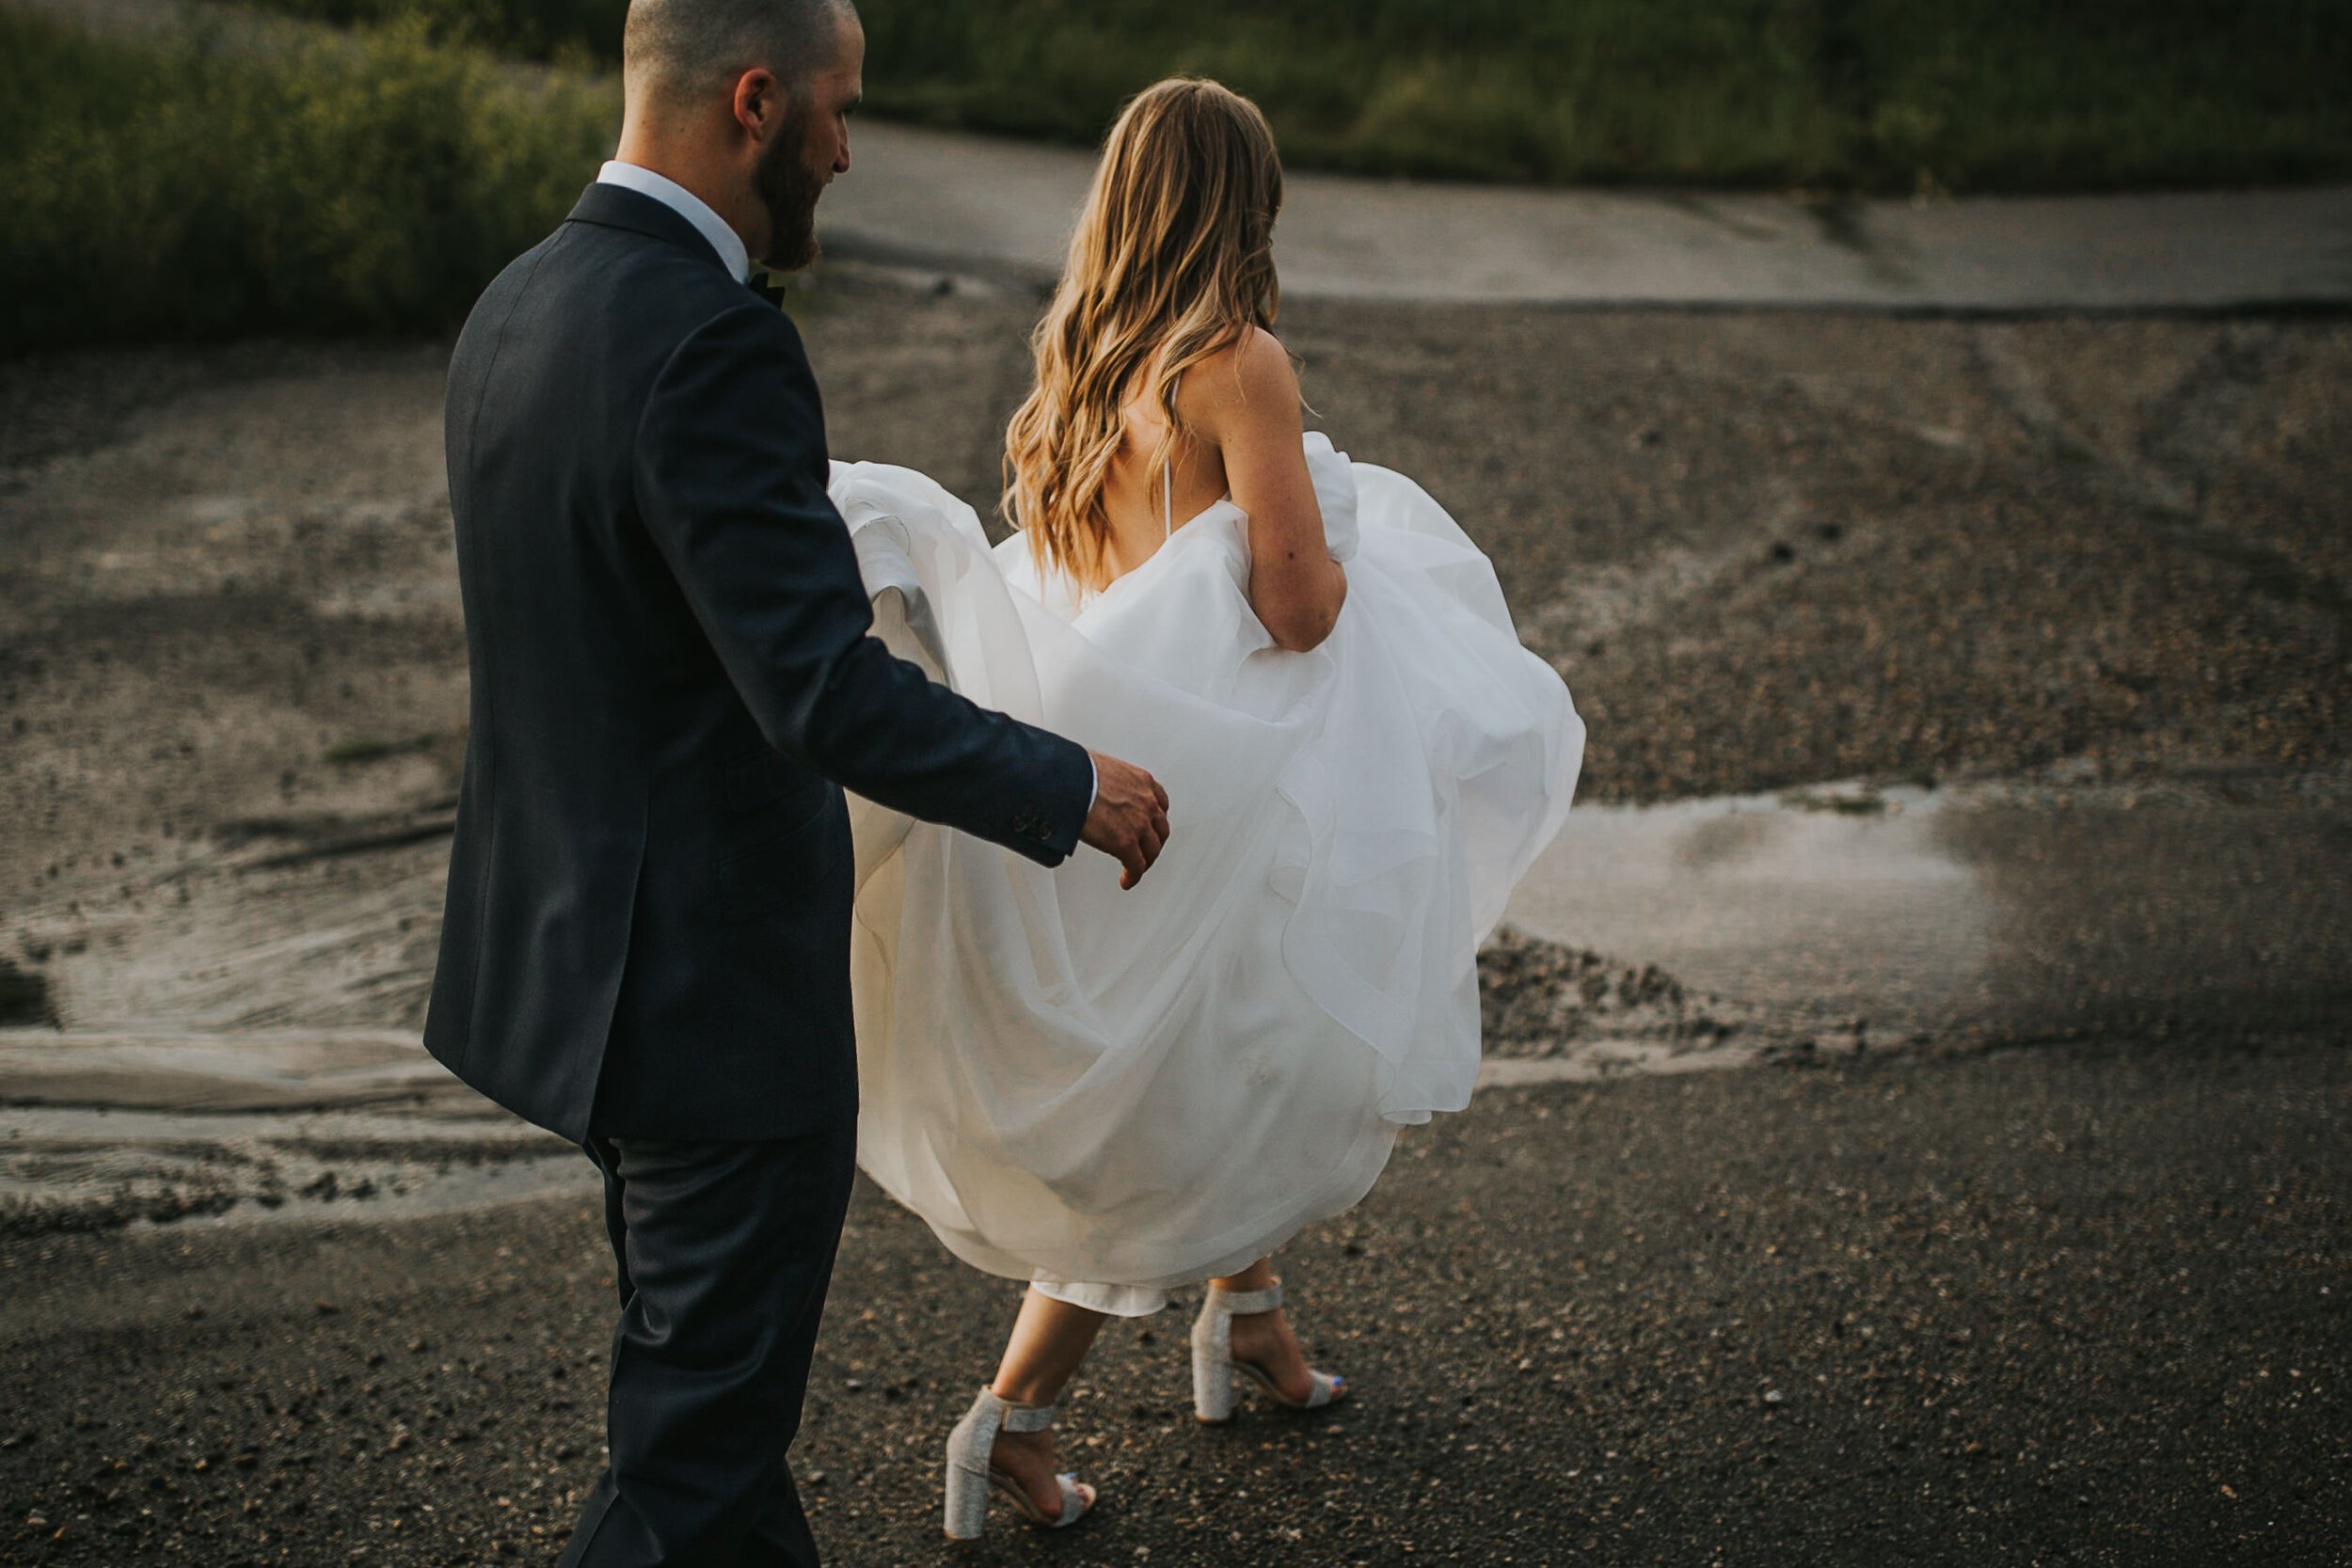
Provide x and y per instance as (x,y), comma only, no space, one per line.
(686,45)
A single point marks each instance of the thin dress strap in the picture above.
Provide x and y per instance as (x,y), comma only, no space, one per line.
(1167,482)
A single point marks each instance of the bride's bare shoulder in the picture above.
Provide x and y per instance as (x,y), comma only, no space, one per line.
(1253,372)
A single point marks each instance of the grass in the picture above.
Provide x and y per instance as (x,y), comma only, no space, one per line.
(180,187)
(1845,95)
(571,31)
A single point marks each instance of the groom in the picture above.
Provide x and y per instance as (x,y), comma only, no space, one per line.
(647,941)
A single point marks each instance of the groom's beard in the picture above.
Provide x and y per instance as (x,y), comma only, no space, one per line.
(789,188)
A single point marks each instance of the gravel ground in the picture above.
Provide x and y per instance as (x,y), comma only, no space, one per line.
(2064,1307)
(1766,549)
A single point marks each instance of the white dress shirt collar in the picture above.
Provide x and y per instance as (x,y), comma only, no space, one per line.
(645,182)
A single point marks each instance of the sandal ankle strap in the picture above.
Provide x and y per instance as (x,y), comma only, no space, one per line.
(1017,1418)
(1241,1303)
(1028,1418)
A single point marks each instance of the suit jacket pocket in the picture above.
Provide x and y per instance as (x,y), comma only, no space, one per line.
(764,779)
(782,867)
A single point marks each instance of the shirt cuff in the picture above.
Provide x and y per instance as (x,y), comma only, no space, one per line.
(1094,789)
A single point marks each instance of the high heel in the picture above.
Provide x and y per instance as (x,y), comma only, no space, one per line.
(970,1477)
(1213,1390)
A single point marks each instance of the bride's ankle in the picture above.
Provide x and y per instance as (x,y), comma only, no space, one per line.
(1026,1458)
(1257,1276)
(1267,1341)
(1036,1446)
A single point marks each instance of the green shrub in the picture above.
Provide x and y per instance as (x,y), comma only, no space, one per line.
(1887,95)
(539,29)
(1854,94)
(180,188)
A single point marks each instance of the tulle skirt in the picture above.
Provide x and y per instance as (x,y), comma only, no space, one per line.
(1135,1089)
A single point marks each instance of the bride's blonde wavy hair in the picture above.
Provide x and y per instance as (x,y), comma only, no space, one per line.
(1173,260)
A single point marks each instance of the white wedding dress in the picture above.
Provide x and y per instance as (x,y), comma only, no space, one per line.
(1110,1092)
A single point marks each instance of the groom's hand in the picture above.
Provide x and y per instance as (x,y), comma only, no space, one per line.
(1129,821)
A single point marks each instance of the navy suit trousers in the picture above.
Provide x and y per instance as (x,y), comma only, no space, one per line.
(724,1252)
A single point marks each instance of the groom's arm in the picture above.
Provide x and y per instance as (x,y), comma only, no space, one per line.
(730,475)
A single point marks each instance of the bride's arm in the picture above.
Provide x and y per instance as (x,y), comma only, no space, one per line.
(1252,412)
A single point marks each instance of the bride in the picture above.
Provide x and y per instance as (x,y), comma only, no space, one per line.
(1107,1094)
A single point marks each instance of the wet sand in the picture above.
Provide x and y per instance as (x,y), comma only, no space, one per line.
(1974,912)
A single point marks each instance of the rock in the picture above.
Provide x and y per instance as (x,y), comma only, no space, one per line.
(1540,999)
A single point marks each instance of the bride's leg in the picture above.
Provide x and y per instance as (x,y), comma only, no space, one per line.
(1050,1341)
(1265,1338)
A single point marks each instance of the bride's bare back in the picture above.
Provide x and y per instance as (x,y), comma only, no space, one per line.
(1238,418)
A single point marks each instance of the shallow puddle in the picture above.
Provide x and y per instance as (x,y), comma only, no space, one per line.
(1989,911)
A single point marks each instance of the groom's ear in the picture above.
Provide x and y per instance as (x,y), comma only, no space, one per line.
(759,103)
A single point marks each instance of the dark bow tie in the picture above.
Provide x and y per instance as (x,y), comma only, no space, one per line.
(766,287)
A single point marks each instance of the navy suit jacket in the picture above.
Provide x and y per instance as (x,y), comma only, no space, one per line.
(649,915)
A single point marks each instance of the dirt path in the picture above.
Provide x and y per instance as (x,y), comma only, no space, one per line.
(964,202)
